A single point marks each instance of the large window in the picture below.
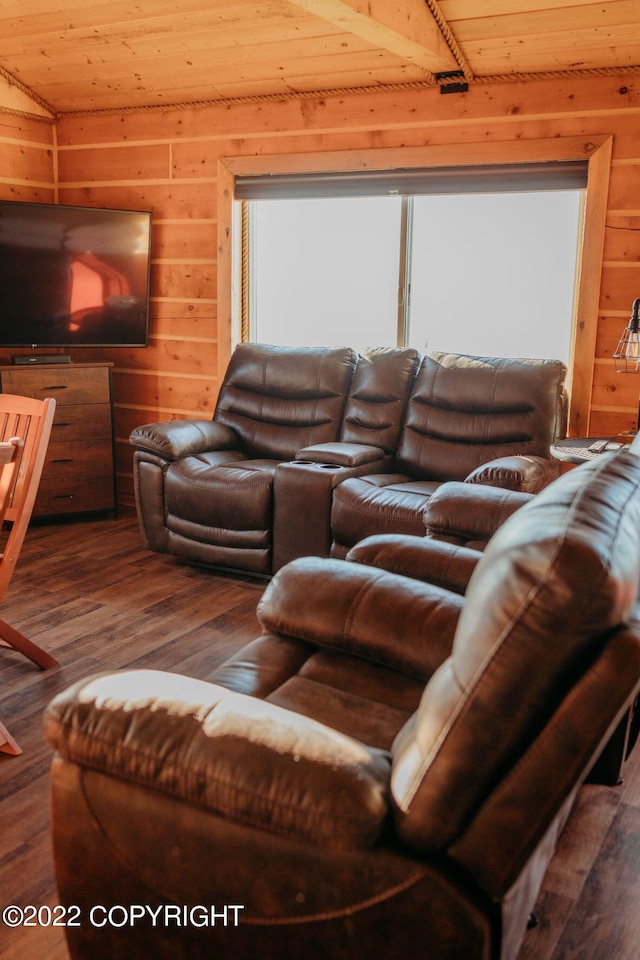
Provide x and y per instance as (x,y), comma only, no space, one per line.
(325,272)
(461,262)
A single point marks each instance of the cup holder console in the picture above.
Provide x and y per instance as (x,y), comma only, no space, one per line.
(318,466)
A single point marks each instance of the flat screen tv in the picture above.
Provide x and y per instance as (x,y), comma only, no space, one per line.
(73,276)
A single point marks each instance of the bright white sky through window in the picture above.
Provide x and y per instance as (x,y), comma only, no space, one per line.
(494,274)
(325,272)
(490,274)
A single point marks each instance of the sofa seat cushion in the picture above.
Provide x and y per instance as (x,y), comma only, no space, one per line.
(233,495)
(360,699)
(379,503)
(221,514)
(527,634)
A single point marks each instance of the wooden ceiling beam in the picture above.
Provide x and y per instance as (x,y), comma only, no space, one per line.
(406,29)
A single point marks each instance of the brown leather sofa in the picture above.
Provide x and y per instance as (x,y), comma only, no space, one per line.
(384,772)
(256,486)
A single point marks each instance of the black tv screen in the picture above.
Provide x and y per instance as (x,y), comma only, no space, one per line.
(73,276)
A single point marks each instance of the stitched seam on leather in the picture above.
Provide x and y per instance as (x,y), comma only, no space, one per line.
(308,637)
(415,877)
(356,603)
(119,852)
(205,530)
(212,484)
(425,420)
(492,403)
(407,516)
(257,478)
(315,406)
(341,690)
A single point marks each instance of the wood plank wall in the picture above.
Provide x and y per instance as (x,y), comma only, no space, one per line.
(27,159)
(167,161)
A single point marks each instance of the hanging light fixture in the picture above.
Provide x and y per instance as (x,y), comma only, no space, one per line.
(627,357)
(627,353)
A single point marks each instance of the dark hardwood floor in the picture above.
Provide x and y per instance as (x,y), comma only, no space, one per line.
(89,593)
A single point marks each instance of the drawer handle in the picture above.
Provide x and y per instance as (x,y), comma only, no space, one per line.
(63,496)
(63,460)
(63,423)
(56,386)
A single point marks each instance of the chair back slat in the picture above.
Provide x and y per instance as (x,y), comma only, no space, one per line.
(28,420)
(10,457)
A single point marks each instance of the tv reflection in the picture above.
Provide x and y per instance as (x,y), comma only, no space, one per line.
(100,298)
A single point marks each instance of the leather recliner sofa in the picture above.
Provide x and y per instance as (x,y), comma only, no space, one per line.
(385,771)
(256,486)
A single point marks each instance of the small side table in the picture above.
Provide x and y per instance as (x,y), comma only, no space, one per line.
(577,450)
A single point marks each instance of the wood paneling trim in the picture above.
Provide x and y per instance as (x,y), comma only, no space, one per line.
(228,241)
(400,110)
(588,293)
(446,154)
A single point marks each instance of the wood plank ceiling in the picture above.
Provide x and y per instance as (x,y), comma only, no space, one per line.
(109,55)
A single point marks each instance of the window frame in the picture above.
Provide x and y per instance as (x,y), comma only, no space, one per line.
(597,151)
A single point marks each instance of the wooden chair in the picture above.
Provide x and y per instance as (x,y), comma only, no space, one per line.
(25,428)
(10,456)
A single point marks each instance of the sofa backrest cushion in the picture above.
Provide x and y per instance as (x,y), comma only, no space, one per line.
(376,404)
(464,411)
(555,581)
(280,399)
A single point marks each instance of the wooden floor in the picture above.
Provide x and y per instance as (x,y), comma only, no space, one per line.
(91,595)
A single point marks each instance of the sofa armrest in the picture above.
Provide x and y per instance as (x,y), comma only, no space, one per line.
(469,514)
(183,438)
(434,561)
(343,454)
(527,474)
(396,621)
(242,758)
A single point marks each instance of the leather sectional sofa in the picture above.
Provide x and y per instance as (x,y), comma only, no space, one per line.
(385,770)
(310,450)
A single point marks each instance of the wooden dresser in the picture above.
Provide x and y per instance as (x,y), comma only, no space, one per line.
(79,471)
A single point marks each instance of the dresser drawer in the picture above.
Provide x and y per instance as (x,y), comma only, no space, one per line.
(65,384)
(78,473)
(74,495)
(79,459)
(88,421)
